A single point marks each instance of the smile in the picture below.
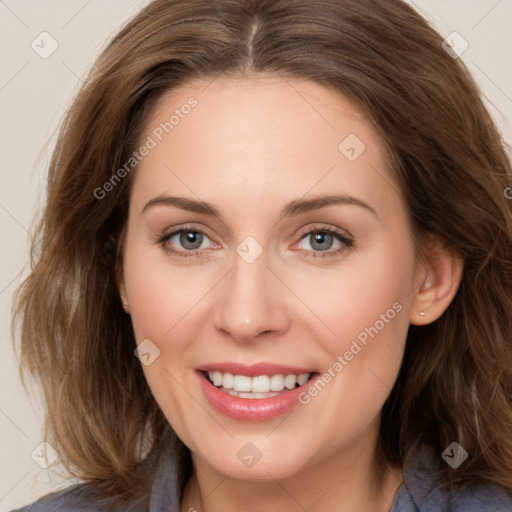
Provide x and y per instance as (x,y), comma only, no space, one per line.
(254,393)
(261,386)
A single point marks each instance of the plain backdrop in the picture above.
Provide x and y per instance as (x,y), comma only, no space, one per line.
(34,94)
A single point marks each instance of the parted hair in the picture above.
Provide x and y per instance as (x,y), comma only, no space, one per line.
(448,160)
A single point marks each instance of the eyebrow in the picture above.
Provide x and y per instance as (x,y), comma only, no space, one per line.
(293,208)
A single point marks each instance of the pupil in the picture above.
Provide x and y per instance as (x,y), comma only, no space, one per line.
(191,240)
(321,241)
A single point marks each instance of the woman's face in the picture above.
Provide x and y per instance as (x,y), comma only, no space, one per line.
(267,238)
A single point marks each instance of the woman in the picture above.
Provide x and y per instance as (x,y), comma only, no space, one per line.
(274,268)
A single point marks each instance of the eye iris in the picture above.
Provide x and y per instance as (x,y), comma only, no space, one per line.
(191,240)
(321,241)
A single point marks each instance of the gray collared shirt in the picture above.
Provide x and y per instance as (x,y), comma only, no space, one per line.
(420,492)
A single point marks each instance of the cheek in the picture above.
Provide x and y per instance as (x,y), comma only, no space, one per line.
(370,293)
(161,294)
(365,308)
(163,308)
(368,314)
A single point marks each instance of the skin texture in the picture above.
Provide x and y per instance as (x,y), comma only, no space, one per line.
(249,147)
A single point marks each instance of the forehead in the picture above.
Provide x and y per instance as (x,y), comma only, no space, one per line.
(261,139)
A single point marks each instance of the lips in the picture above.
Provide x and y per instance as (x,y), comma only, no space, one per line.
(257,392)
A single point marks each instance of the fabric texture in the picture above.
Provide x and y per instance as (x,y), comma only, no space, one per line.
(420,492)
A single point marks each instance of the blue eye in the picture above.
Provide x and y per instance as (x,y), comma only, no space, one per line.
(189,240)
(320,241)
(324,240)
(184,242)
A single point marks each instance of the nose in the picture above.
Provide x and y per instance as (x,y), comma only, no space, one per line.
(251,302)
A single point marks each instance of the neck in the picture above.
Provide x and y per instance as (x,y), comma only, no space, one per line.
(346,481)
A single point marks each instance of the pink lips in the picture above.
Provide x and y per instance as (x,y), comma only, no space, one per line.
(257,409)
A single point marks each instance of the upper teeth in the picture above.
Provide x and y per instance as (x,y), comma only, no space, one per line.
(259,384)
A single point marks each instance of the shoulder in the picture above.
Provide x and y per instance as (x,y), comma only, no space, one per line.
(83,497)
(481,498)
(422,491)
(77,498)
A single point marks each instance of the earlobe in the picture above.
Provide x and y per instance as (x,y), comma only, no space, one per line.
(440,275)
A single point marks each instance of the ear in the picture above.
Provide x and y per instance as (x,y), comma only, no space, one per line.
(438,278)
(121,287)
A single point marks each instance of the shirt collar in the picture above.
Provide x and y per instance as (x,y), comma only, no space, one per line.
(421,479)
(165,492)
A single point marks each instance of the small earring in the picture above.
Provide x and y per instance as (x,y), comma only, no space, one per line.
(422,313)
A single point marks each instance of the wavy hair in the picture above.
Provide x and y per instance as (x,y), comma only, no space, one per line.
(448,158)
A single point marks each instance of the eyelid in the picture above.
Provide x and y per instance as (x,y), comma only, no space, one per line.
(162,239)
(311,228)
(343,236)
(168,233)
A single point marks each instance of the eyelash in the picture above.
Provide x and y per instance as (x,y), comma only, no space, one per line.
(347,242)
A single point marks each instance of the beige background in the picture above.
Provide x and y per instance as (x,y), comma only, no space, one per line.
(34,94)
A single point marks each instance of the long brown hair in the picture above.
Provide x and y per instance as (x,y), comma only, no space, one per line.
(448,159)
